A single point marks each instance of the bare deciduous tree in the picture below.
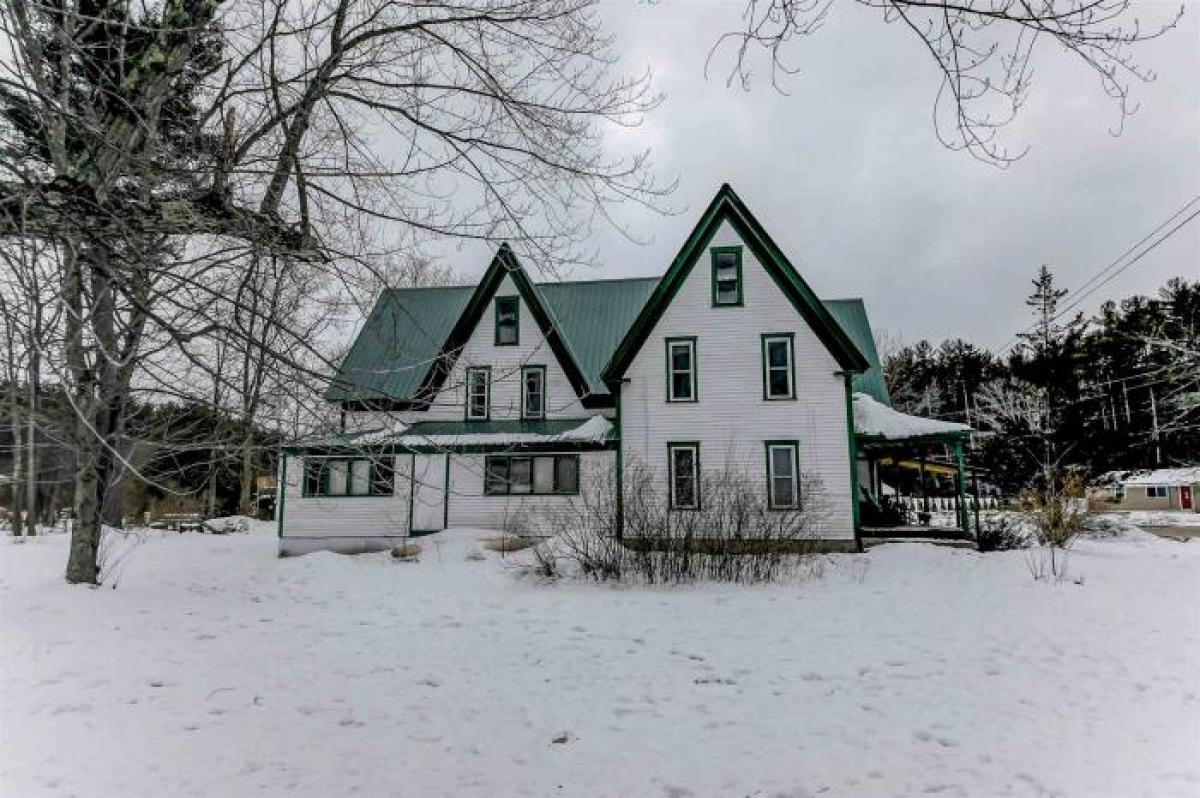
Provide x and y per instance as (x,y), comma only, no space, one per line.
(174,150)
(983,51)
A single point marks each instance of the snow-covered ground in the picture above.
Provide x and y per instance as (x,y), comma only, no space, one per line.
(216,669)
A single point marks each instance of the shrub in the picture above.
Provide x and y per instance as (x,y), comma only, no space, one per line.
(1058,513)
(733,537)
(1001,533)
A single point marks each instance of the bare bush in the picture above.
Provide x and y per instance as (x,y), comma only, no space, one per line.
(999,532)
(734,536)
(1058,514)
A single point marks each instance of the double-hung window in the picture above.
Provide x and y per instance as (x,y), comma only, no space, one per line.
(726,276)
(533,392)
(681,369)
(508,321)
(342,476)
(1156,491)
(779,366)
(783,475)
(479,390)
(683,461)
(531,474)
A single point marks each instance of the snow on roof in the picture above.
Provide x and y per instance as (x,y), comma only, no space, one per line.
(877,420)
(595,430)
(1189,475)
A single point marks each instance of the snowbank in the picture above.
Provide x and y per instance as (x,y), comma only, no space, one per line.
(217,669)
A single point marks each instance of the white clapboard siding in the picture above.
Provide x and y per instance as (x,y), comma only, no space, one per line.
(732,420)
(469,507)
(345,517)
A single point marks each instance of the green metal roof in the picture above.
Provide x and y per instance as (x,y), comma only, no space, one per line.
(408,326)
(851,315)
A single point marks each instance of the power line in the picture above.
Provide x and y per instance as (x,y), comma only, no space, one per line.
(1100,276)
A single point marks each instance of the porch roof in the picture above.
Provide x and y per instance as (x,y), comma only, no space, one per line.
(876,423)
(437,436)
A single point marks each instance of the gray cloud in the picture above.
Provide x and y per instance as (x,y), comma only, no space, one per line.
(847,175)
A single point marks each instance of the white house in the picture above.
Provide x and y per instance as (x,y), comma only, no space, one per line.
(462,406)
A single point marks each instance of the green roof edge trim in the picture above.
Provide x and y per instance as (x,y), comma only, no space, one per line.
(505,263)
(726,205)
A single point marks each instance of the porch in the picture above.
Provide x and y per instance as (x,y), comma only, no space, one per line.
(920,463)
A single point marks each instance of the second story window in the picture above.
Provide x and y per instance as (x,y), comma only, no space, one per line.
(533,392)
(508,320)
(779,367)
(726,276)
(479,389)
(681,369)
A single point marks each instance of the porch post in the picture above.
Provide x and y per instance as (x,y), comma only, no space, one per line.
(962,503)
(975,490)
(924,488)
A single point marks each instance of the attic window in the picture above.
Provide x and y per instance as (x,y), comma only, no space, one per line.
(726,276)
(508,320)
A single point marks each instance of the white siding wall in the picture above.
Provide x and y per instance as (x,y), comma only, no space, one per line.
(470,507)
(506,363)
(348,517)
(387,516)
(731,420)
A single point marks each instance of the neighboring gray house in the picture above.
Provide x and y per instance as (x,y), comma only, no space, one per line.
(1160,489)
(464,405)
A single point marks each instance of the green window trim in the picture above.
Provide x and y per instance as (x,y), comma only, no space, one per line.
(766,340)
(694,372)
(794,447)
(526,371)
(487,393)
(381,477)
(672,499)
(506,305)
(498,472)
(715,254)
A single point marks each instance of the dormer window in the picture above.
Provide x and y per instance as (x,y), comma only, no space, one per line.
(726,276)
(508,320)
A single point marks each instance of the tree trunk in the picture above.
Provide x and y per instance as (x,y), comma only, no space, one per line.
(100,405)
(210,492)
(31,470)
(14,412)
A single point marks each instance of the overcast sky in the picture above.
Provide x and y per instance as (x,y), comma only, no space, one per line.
(848,177)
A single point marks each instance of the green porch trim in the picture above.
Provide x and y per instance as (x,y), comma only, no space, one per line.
(713,252)
(727,206)
(964,516)
(412,489)
(851,442)
(475,448)
(446,494)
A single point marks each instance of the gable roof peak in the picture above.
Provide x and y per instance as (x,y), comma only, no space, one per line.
(726,206)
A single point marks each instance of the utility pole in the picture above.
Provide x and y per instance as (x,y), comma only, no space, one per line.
(1154,432)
